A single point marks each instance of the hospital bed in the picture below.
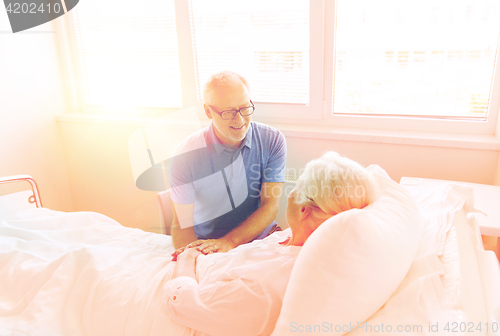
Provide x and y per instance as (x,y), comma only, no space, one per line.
(82,273)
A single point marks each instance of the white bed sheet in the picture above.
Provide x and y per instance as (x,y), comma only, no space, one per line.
(82,273)
(15,202)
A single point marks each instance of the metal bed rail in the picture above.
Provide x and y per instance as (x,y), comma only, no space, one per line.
(35,198)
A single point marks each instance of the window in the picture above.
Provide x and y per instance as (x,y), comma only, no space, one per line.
(416,58)
(265,41)
(129,57)
(416,65)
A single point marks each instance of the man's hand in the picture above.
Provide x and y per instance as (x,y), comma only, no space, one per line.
(207,246)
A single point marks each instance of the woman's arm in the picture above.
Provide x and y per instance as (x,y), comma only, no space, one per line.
(234,297)
(186,263)
(227,305)
(235,307)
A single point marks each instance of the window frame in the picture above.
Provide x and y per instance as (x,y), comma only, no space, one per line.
(319,112)
(264,111)
(404,123)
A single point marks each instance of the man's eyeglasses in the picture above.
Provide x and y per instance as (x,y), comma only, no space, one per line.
(230,114)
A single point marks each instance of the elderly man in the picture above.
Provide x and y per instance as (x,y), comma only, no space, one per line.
(227,178)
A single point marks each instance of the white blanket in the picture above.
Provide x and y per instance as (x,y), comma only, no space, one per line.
(61,274)
(84,274)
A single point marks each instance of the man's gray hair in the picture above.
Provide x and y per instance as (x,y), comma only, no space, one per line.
(222,78)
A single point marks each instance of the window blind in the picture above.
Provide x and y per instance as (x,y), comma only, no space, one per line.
(127,53)
(265,41)
(419,58)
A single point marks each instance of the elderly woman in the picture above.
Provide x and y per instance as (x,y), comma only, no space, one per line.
(240,292)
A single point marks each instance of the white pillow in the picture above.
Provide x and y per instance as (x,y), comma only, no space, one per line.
(15,202)
(352,263)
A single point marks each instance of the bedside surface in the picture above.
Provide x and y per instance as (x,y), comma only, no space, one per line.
(486,199)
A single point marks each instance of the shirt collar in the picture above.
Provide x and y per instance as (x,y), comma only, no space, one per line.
(216,144)
(248,137)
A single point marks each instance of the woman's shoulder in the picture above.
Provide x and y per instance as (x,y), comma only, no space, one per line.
(278,236)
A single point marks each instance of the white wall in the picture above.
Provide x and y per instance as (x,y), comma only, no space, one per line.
(101,177)
(31,95)
(497,175)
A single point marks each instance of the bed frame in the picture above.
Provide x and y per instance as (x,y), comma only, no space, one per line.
(35,198)
(471,283)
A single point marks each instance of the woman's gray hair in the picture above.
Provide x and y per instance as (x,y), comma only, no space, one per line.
(332,184)
(222,78)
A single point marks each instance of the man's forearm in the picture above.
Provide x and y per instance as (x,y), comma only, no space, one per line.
(182,237)
(254,224)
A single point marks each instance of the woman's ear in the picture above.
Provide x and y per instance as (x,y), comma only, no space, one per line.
(207,111)
(305,212)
